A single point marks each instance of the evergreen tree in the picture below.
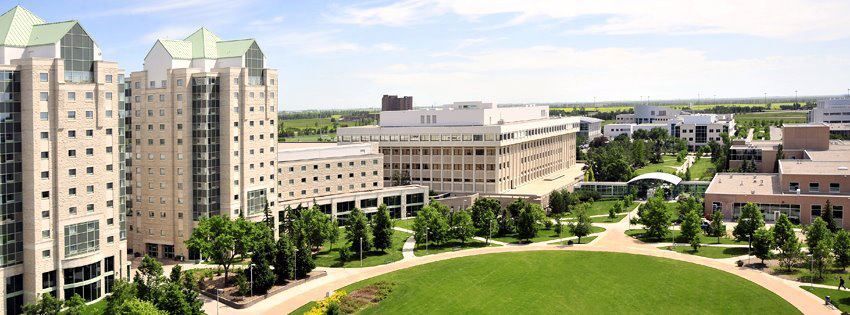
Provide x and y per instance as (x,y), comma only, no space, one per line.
(783,232)
(383,229)
(304,260)
(691,229)
(357,231)
(717,228)
(283,259)
(828,216)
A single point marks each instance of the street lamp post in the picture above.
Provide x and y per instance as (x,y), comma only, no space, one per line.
(361,252)
(295,266)
(251,271)
(795,97)
(426,240)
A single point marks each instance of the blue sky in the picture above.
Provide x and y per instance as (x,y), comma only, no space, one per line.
(339,54)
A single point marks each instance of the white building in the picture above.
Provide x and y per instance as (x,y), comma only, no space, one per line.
(590,128)
(831,111)
(696,129)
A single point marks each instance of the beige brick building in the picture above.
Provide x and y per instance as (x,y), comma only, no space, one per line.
(203,139)
(339,178)
(474,147)
(61,162)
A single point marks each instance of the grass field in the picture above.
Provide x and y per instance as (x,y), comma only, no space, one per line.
(786,116)
(328,137)
(605,219)
(307,122)
(602,207)
(584,240)
(330,258)
(668,166)
(711,252)
(700,169)
(841,299)
(830,277)
(638,233)
(544,235)
(450,246)
(405,224)
(557,282)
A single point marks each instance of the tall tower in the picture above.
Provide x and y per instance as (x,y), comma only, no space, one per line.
(60,163)
(203,139)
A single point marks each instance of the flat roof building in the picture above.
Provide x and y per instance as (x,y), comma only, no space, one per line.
(830,111)
(338,178)
(590,128)
(393,102)
(696,129)
(204,136)
(63,163)
(474,147)
(813,172)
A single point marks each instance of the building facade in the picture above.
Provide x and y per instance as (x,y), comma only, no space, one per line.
(474,147)
(798,142)
(696,129)
(62,156)
(831,111)
(339,178)
(393,102)
(590,128)
(204,139)
(812,172)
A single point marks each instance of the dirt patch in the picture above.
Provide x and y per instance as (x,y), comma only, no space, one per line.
(229,294)
(366,296)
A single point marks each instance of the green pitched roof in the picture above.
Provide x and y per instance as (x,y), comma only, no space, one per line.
(44,34)
(204,44)
(178,49)
(16,26)
(234,48)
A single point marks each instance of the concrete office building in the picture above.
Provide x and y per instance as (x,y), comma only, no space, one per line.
(831,111)
(814,171)
(204,139)
(338,178)
(62,161)
(590,128)
(696,129)
(393,102)
(475,147)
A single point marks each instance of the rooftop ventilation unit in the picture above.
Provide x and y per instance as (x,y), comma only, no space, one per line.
(842,168)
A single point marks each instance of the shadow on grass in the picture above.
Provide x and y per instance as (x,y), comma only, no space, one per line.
(452,245)
(355,256)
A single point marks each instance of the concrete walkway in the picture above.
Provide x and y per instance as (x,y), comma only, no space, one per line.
(613,239)
(408,247)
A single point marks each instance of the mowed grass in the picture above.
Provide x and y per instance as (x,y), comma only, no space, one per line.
(584,240)
(405,224)
(558,282)
(700,169)
(543,235)
(330,258)
(601,207)
(328,137)
(710,251)
(841,299)
(450,246)
(786,116)
(669,165)
(307,122)
(638,234)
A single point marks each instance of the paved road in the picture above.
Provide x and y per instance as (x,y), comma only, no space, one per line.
(612,240)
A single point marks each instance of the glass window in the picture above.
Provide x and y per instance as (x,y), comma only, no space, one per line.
(82,238)
(77,50)
(42,77)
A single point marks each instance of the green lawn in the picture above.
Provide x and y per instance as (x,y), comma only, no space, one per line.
(700,169)
(668,166)
(602,207)
(405,224)
(328,137)
(450,246)
(638,233)
(785,116)
(710,252)
(544,235)
(98,307)
(557,282)
(584,240)
(841,299)
(330,258)
(605,219)
(307,122)
(830,276)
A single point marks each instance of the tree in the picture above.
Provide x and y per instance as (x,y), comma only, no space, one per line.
(841,249)
(751,219)
(463,227)
(617,207)
(556,202)
(489,225)
(333,232)
(654,217)
(47,305)
(526,225)
(262,260)
(829,217)
(431,224)
(762,244)
(222,240)
(819,240)
(315,226)
(74,305)
(382,232)
(559,227)
(789,253)
(582,225)
(304,260)
(148,279)
(138,307)
(357,231)
(691,229)
(122,291)
(480,209)
(284,258)
(717,228)
(612,213)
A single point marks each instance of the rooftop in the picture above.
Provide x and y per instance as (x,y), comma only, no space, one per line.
(20,27)
(744,184)
(302,151)
(548,183)
(204,44)
(807,167)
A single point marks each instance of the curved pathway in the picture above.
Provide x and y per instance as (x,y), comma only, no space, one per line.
(613,239)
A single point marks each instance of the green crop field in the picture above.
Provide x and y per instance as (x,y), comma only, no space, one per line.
(557,282)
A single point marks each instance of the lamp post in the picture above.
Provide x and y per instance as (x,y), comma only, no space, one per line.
(795,97)
(426,240)
(217,291)
(251,272)
(295,265)
(361,252)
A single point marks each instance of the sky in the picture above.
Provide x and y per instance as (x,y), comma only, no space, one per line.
(341,54)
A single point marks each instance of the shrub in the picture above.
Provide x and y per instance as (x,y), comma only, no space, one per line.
(243,287)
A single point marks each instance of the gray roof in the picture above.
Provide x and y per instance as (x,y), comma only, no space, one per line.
(667,177)
(589,119)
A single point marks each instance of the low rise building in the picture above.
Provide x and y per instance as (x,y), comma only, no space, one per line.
(696,129)
(799,141)
(812,172)
(590,128)
(338,178)
(831,111)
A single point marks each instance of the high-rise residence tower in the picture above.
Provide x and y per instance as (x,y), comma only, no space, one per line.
(61,163)
(203,139)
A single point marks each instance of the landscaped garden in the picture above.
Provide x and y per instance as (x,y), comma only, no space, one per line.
(668,165)
(329,255)
(449,246)
(543,235)
(539,282)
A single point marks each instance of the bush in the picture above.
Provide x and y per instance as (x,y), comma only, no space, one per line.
(570,242)
(344,254)
(740,263)
(244,288)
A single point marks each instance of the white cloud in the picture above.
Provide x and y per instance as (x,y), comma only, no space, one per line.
(794,19)
(549,74)
(388,47)
(322,42)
